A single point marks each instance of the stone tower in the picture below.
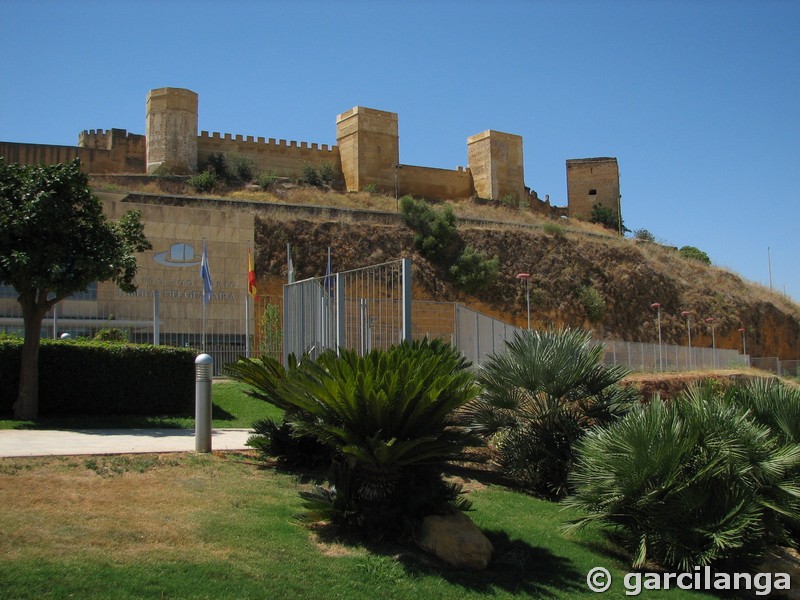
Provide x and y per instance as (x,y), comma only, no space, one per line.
(171,130)
(495,160)
(369,148)
(592,181)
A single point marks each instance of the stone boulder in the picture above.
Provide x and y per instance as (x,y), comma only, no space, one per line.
(783,560)
(456,540)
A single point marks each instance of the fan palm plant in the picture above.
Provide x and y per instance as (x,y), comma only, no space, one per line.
(693,482)
(539,396)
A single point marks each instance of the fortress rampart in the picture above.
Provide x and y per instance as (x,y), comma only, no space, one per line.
(285,158)
(367,155)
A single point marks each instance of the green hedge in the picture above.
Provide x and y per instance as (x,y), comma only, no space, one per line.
(103,378)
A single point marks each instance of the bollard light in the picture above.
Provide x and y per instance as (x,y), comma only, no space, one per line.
(204,371)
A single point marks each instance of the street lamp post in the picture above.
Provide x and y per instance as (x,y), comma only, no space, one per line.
(527,278)
(713,340)
(657,306)
(688,315)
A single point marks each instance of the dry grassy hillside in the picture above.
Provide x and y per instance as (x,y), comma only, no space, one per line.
(629,275)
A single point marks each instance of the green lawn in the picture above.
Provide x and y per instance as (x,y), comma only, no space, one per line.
(231,408)
(218,526)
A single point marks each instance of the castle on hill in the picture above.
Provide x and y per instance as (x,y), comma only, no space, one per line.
(367,155)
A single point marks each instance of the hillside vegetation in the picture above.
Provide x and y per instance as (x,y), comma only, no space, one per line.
(572,265)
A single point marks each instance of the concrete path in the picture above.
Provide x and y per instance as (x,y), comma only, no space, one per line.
(30,442)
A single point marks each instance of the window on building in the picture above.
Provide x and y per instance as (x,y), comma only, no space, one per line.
(593,192)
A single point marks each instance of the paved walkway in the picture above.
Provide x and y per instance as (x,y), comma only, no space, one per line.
(31,442)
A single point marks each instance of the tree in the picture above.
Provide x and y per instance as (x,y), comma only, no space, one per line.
(55,241)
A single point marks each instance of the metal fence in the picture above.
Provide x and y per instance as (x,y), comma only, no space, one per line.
(360,310)
(477,336)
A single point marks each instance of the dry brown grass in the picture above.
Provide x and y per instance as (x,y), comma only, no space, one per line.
(126,507)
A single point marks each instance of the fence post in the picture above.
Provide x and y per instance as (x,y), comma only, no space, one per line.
(406,299)
(341,313)
(156,322)
(204,366)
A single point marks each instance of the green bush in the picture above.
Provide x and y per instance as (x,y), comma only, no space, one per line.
(435,229)
(111,334)
(693,482)
(266,179)
(554,229)
(242,168)
(643,235)
(281,441)
(389,418)
(103,378)
(203,182)
(327,173)
(594,304)
(608,218)
(218,165)
(539,397)
(473,272)
(693,253)
(309,175)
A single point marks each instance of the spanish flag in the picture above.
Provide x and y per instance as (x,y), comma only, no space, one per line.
(251,274)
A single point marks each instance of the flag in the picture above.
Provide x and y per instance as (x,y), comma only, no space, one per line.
(329,282)
(205,275)
(251,274)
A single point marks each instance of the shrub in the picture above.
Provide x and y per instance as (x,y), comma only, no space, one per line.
(694,482)
(539,397)
(473,272)
(643,235)
(693,253)
(267,179)
(327,173)
(217,164)
(594,304)
(389,419)
(370,188)
(203,182)
(103,378)
(309,175)
(242,168)
(510,201)
(281,441)
(554,229)
(435,230)
(608,218)
(111,334)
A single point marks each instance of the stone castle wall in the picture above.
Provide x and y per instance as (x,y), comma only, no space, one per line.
(367,155)
(286,159)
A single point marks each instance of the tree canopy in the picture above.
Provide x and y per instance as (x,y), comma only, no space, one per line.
(56,241)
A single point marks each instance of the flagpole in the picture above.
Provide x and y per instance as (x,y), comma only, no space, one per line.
(247,307)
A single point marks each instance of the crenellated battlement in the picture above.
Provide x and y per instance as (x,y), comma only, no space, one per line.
(366,154)
(250,142)
(108,139)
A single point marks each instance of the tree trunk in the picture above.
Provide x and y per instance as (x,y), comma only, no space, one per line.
(27,405)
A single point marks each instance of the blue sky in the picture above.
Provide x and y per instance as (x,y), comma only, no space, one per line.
(698,101)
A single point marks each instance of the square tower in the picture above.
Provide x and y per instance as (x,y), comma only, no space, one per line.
(171,129)
(592,181)
(495,160)
(369,147)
